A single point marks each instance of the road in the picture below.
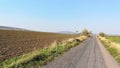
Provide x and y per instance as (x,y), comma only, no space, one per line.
(89,54)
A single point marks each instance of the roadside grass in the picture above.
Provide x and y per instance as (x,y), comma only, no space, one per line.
(112,48)
(37,58)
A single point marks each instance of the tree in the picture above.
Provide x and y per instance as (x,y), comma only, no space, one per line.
(102,34)
(76,32)
(85,32)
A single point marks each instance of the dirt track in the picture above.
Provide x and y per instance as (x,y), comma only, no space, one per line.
(89,54)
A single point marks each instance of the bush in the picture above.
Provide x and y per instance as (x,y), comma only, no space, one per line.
(102,34)
(85,32)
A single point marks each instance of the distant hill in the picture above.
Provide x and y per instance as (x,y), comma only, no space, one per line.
(11,28)
(21,29)
(66,32)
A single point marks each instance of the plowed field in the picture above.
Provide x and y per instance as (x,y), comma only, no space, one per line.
(14,43)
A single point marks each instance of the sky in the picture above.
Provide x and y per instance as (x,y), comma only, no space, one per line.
(62,15)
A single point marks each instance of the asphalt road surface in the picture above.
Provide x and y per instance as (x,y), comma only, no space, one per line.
(89,54)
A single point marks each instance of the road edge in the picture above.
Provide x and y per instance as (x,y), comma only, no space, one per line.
(110,62)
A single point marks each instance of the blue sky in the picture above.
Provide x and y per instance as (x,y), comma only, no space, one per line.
(62,15)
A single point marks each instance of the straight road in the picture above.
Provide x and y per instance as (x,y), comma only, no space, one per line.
(88,54)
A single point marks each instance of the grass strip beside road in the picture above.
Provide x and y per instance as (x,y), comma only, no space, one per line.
(112,48)
(41,57)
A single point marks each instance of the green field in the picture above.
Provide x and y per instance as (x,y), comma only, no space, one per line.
(114,38)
